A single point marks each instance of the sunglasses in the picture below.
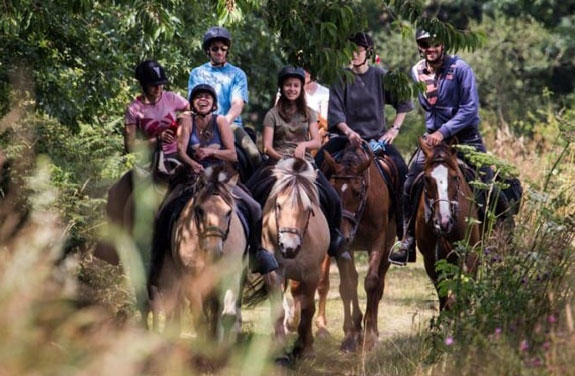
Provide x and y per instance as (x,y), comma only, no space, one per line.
(216,49)
(427,43)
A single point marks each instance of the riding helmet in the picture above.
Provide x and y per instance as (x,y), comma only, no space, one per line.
(216,33)
(150,73)
(291,71)
(363,39)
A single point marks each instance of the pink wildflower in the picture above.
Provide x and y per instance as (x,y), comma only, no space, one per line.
(551,319)
(449,341)
(524,345)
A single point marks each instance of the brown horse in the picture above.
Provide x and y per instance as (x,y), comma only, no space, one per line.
(205,265)
(368,225)
(295,228)
(445,204)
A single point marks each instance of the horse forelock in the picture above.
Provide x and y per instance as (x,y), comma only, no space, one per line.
(296,179)
(352,156)
(214,188)
(441,154)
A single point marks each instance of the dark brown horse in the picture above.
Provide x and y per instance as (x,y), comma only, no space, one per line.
(445,204)
(368,225)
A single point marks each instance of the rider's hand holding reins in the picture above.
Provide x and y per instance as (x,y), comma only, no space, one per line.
(299,151)
(434,138)
(390,135)
(354,137)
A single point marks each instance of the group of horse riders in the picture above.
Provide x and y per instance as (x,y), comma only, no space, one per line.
(206,129)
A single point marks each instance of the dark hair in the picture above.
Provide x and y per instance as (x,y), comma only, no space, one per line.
(300,104)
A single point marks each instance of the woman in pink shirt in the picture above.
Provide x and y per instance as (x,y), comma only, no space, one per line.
(153,116)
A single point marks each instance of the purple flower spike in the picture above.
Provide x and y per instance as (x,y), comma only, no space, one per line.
(497,331)
(449,341)
(551,319)
(524,346)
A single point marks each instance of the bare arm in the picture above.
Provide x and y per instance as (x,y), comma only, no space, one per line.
(229,151)
(392,132)
(268,140)
(235,110)
(312,144)
(352,135)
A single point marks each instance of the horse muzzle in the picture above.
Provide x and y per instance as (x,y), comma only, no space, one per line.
(443,225)
(289,245)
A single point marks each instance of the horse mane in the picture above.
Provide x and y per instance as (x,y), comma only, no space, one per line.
(296,178)
(213,183)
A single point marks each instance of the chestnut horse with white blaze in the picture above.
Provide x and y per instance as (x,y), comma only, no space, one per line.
(206,265)
(444,206)
(369,224)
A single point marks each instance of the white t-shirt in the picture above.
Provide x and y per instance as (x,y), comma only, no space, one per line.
(319,100)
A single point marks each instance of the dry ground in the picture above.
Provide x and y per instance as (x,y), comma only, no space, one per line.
(408,303)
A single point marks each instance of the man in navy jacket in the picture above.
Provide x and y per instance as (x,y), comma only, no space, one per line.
(451,105)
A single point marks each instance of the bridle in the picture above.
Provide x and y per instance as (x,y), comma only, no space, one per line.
(430,202)
(355,217)
(212,231)
(291,230)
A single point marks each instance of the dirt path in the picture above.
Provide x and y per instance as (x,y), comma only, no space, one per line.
(408,303)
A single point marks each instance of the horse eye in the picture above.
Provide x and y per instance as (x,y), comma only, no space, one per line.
(228,214)
(199,212)
(278,206)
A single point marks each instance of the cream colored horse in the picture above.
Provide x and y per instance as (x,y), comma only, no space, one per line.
(295,229)
(205,265)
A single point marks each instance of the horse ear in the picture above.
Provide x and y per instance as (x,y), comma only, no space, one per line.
(454,141)
(364,165)
(425,148)
(329,161)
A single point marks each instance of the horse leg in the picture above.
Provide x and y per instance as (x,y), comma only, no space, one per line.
(304,293)
(352,313)
(292,309)
(274,282)
(323,290)
(374,291)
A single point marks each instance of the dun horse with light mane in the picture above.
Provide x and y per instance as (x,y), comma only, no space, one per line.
(295,228)
(205,265)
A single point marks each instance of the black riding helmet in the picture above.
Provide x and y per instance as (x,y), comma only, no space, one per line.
(150,73)
(204,88)
(216,33)
(363,39)
(291,71)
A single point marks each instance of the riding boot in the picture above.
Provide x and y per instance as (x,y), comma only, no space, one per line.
(260,259)
(406,251)
(336,243)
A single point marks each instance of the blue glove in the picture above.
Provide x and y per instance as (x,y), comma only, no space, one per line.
(377,146)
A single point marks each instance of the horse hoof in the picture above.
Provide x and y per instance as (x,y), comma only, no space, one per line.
(349,345)
(370,342)
(285,361)
(322,333)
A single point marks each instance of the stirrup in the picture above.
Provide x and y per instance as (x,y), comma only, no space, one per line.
(401,254)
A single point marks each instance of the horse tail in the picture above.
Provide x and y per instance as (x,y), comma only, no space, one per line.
(255,291)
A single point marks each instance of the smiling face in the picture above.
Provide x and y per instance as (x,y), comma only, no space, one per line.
(291,88)
(431,49)
(153,92)
(203,103)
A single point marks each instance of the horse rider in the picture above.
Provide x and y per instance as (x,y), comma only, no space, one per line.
(231,85)
(205,139)
(356,109)
(291,130)
(153,115)
(451,105)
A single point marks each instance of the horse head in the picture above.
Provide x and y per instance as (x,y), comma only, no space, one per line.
(294,195)
(442,180)
(212,209)
(350,179)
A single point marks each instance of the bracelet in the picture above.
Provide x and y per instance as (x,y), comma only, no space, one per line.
(396,127)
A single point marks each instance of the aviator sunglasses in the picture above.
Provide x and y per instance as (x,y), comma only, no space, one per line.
(427,43)
(217,48)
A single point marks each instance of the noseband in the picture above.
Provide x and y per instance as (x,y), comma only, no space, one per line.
(213,231)
(291,230)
